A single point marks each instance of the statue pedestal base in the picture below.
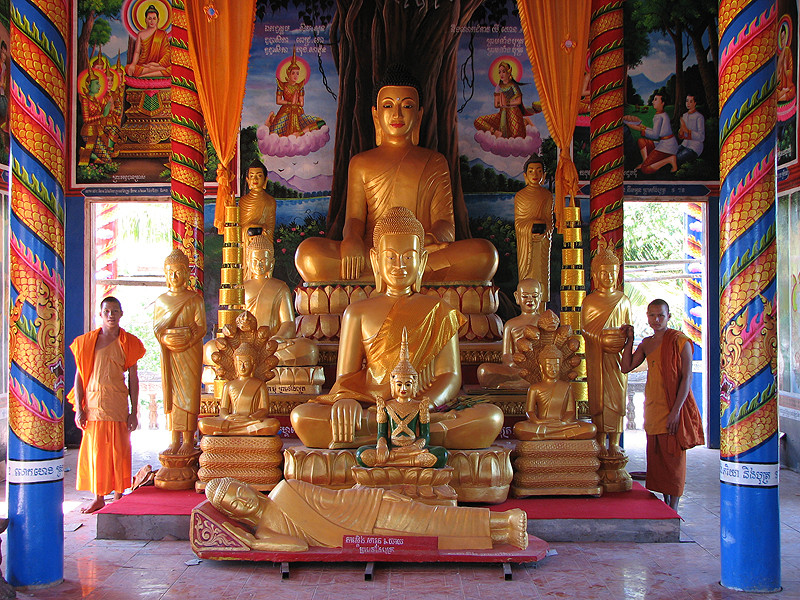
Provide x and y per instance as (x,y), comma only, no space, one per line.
(254,460)
(320,466)
(481,475)
(320,307)
(431,486)
(297,380)
(613,476)
(177,472)
(478,475)
(556,467)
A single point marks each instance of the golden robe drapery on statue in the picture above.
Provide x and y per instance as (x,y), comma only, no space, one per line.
(427,335)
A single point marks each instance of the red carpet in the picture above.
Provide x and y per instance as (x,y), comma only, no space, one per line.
(636,504)
(149,500)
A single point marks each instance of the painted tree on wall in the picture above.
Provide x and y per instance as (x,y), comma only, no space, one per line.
(366,37)
(89,13)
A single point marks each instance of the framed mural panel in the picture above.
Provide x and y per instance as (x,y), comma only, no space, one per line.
(787,82)
(122,117)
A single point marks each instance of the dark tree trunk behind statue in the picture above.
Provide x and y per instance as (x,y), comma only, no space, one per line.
(366,37)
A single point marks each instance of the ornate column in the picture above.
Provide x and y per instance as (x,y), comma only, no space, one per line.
(188,150)
(607,109)
(36,339)
(750,546)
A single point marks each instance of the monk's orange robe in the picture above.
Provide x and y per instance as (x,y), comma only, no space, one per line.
(666,453)
(104,461)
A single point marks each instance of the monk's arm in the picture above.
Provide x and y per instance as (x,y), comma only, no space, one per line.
(267,540)
(80,413)
(199,325)
(441,200)
(683,389)
(446,373)
(353,248)
(508,346)
(133,394)
(286,329)
(631,360)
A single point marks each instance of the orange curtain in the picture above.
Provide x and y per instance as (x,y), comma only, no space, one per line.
(220,33)
(557,39)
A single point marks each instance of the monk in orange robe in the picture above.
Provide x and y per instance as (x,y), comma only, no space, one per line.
(100,398)
(671,418)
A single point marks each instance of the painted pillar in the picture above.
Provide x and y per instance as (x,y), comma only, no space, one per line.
(749,523)
(607,169)
(187,160)
(38,103)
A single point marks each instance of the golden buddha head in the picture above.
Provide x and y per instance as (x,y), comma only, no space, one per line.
(260,257)
(235,499)
(533,173)
(529,295)
(605,266)
(244,359)
(397,110)
(398,254)
(404,379)
(256,176)
(549,360)
(176,269)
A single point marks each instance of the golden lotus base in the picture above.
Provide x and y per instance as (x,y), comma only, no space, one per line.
(297,380)
(431,486)
(613,476)
(556,467)
(320,466)
(481,475)
(177,472)
(254,460)
(320,306)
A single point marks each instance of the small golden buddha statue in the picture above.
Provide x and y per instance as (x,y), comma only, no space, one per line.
(506,375)
(179,324)
(533,224)
(270,302)
(551,406)
(403,424)
(370,337)
(297,515)
(244,405)
(256,208)
(397,173)
(604,313)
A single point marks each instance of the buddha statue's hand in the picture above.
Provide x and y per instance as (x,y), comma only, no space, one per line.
(353,257)
(381,452)
(345,418)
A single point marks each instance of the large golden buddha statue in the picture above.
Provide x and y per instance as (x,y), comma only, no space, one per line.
(603,314)
(397,173)
(551,407)
(297,515)
(270,302)
(369,344)
(506,375)
(244,405)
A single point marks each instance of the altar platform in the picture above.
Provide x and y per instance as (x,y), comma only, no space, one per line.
(637,516)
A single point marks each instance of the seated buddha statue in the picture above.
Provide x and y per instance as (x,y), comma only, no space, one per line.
(397,173)
(270,302)
(245,402)
(403,424)
(506,375)
(297,515)
(551,407)
(370,340)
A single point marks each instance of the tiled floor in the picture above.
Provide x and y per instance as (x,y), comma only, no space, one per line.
(114,570)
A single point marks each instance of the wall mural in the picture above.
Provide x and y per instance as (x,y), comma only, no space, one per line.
(787,82)
(122,82)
